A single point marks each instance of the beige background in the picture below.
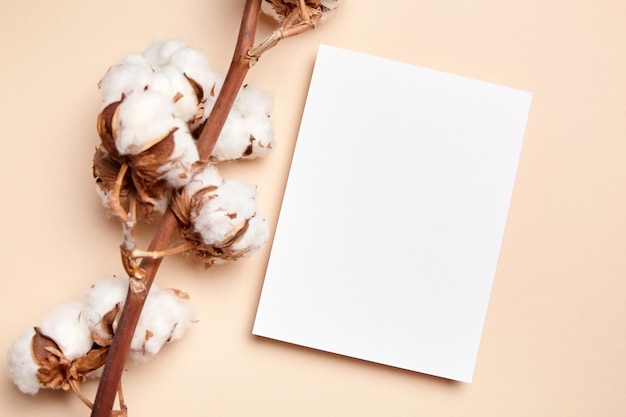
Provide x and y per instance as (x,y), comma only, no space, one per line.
(555,336)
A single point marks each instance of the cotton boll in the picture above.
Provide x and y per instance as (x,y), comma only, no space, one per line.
(22,366)
(124,79)
(225,212)
(256,235)
(177,172)
(67,326)
(165,317)
(144,117)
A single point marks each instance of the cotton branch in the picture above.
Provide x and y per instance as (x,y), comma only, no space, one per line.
(136,297)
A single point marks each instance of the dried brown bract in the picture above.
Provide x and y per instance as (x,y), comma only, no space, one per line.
(294,17)
(56,371)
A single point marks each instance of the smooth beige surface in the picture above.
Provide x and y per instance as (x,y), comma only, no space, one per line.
(555,336)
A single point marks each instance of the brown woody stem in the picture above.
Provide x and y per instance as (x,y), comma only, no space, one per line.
(120,348)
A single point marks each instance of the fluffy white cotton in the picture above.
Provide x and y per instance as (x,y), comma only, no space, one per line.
(234,139)
(261,130)
(160,53)
(144,117)
(68,327)
(195,65)
(255,236)
(124,79)
(207,177)
(101,298)
(165,317)
(22,366)
(225,213)
(252,100)
(246,137)
(248,131)
(135,58)
(172,83)
(105,294)
(177,172)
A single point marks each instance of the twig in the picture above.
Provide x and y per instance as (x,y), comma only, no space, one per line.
(120,348)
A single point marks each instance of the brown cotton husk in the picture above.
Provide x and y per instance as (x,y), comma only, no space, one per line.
(286,7)
(104,125)
(57,372)
(199,93)
(105,172)
(107,326)
(146,164)
(290,11)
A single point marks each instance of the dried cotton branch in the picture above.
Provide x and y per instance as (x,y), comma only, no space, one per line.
(163,111)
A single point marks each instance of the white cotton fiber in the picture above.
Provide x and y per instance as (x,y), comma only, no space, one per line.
(177,172)
(159,53)
(101,298)
(255,236)
(194,65)
(68,327)
(22,366)
(165,317)
(170,82)
(230,206)
(144,117)
(124,79)
(207,177)
(233,140)
(251,99)
(247,132)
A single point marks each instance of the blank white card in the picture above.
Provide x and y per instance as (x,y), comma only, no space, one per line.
(393,215)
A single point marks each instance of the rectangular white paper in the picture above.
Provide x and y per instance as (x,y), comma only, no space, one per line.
(393,216)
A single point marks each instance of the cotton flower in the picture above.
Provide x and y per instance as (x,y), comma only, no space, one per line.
(56,351)
(71,341)
(220,217)
(142,133)
(165,317)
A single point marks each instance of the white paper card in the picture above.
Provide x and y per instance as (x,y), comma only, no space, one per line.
(393,216)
